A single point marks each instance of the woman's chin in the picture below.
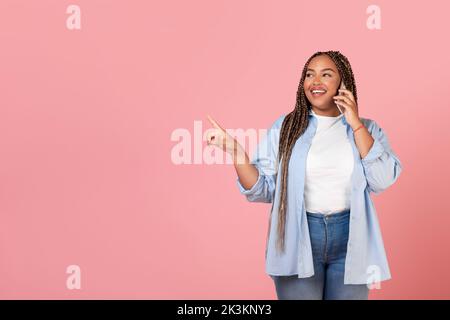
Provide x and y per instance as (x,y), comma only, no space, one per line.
(320,101)
(322,105)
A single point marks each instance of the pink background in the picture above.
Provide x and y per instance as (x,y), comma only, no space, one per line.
(86,116)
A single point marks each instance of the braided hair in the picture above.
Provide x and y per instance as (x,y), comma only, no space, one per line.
(294,125)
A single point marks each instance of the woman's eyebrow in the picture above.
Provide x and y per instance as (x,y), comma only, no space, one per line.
(322,69)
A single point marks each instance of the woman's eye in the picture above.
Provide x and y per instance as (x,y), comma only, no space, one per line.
(325,74)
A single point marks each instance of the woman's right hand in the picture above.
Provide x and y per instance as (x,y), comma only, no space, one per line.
(219,137)
(246,171)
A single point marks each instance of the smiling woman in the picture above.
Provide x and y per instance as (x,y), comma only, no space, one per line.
(317,167)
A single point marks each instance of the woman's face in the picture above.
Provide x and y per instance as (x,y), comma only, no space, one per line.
(323,76)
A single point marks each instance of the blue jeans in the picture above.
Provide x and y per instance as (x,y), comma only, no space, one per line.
(329,237)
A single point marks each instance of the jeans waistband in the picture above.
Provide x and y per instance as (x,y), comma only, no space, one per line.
(338,216)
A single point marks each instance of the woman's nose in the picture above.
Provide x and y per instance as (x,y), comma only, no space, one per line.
(316,79)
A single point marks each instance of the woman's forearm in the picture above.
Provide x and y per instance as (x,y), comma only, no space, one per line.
(247,172)
(363,140)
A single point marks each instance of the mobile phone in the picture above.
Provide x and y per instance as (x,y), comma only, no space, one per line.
(342,86)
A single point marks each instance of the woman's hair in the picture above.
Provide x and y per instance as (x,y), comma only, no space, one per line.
(296,122)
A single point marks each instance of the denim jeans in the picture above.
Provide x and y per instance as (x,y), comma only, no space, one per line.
(329,237)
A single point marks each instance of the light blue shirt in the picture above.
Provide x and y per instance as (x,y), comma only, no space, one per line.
(366,257)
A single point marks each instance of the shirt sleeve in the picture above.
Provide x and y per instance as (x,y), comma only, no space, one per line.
(382,166)
(265,161)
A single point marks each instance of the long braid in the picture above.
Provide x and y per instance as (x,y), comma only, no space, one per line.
(295,124)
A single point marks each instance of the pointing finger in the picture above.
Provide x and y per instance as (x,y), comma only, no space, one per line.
(214,123)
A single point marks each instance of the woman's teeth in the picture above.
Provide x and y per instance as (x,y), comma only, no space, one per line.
(318,92)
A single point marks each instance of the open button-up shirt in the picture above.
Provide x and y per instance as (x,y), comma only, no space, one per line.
(366,260)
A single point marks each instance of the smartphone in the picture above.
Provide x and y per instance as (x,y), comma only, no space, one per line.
(342,86)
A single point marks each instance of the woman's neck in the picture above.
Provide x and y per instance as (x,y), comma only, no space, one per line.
(329,113)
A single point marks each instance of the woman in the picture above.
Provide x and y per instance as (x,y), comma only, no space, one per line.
(317,166)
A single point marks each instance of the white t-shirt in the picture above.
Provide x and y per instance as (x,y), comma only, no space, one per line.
(329,167)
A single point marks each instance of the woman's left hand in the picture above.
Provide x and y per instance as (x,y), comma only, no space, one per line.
(347,100)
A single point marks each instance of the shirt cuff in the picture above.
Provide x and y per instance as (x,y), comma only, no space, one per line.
(255,187)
